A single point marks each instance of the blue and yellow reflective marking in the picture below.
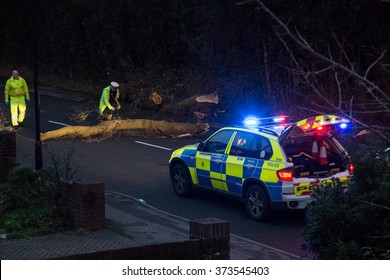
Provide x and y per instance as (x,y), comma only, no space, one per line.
(305,188)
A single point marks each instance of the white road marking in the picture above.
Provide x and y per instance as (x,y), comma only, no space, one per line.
(151,145)
(63,124)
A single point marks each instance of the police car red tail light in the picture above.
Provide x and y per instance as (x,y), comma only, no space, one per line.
(322,129)
(286,174)
(351,168)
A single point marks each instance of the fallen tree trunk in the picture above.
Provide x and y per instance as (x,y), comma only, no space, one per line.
(132,127)
(192,103)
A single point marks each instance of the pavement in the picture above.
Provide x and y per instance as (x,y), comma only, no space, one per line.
(129,223)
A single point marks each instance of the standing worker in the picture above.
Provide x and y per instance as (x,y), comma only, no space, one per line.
(109,101)
(16,94)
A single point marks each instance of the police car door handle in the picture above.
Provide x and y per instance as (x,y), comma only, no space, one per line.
(249,165)
(218,161)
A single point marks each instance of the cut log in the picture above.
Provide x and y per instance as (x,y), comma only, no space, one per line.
(200,116)
(156,98)
(193,103)
(132,127)
(208,98)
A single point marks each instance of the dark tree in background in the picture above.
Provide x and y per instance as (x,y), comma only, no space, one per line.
(185,47)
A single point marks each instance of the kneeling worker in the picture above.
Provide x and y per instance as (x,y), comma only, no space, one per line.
(109,101)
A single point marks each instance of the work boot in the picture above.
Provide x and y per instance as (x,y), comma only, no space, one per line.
(21,124)
(15,126)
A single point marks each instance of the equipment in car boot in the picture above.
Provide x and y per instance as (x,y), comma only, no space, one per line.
(314,150)
(323,157)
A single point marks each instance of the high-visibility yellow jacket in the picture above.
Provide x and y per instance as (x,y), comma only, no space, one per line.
(16,88)
(105,100)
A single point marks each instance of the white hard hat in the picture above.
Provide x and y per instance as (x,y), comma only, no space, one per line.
(114,84)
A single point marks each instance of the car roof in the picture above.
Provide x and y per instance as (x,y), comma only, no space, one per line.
(269,133)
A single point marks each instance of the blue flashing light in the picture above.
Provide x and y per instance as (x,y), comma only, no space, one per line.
(343,125)
(251,122)
(254,122)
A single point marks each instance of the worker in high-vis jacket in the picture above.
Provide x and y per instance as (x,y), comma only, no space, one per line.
(109,101)
(16,94)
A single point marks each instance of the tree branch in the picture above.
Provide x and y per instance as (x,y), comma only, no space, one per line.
(302,43)
(375,62)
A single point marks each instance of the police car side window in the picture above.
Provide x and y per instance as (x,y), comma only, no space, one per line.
(218,142)
(262,148)
(242,144)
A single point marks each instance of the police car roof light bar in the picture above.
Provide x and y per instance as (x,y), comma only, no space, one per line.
(256,122)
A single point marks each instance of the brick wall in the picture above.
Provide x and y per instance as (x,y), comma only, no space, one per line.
(215,237)
(183,250)
(209,240)
(87,204)
(7,153)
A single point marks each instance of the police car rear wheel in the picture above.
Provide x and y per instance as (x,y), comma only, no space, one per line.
(181,181)
(256,203)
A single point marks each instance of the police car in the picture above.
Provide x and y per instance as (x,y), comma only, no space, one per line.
(263,166)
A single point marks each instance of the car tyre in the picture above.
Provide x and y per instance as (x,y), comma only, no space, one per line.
(257,203)
(181,181)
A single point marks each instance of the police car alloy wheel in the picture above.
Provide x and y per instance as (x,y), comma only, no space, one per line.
(181,181)
(256,203)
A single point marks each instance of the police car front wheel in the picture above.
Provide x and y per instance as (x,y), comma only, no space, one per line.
(256,203)
(181,180)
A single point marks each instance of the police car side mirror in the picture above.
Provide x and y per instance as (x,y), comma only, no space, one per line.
(200,146)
